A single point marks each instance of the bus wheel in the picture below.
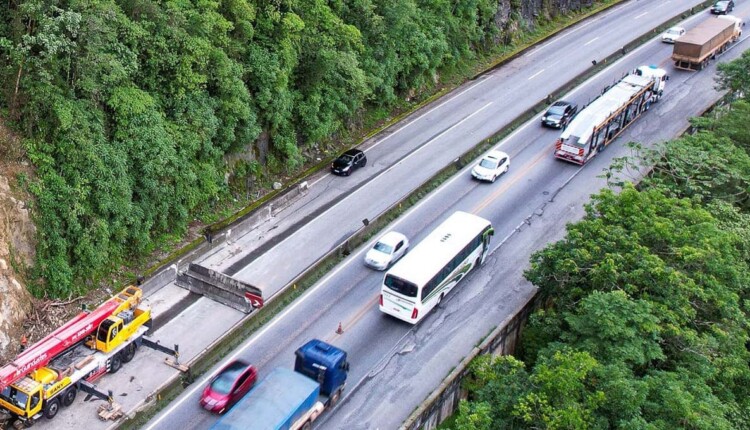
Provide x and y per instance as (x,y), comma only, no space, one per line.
(307,426)
(69,396)
(440,299)
(128,353)
(51,409)
(116,363)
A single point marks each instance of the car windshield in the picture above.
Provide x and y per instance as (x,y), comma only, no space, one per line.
(673,31)
(488,163)
(382,247)
(556,110)
(720,4)
(223,383)
(345,159)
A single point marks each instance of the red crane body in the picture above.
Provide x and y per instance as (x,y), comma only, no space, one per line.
(57,342)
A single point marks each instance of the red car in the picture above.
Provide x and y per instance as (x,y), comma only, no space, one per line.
(228,386)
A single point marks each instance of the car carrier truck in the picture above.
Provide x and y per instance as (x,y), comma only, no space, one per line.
(602,120)
(694,49)
(292,400)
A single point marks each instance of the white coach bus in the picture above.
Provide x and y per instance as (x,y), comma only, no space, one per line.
(425,275)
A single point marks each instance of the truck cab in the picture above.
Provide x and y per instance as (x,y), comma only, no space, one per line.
(324,363)
(658,75)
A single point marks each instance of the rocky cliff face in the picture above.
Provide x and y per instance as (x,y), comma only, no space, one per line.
(514,15)
(16,248)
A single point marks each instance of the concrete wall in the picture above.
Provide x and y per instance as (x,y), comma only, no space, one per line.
(444,400)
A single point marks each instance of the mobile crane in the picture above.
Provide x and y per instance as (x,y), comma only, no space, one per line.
(49,373)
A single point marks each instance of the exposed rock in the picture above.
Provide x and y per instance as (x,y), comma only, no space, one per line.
(17,247)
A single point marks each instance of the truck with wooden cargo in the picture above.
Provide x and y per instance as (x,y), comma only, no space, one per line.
(48,374)
(694,49)
(292,400)
(602,120)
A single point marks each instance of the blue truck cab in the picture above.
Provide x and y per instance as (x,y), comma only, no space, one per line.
(325,364)
(292,400)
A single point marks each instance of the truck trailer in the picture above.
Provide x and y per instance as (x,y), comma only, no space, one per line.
(694,49)
(292,400)
(599,123)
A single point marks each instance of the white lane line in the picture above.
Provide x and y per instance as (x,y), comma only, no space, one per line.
(480,81)
(641,15)
(591,41)
(535,75)
(582,25)
(296,303)
(199,384)
(426,144)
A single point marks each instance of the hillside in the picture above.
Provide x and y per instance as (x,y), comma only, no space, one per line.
(16,242)
(137,118)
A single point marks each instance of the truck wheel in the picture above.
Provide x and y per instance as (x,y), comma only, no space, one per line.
(115,364)
(51,409)
(335,397)
(69,396)
(28,423)
(128,353)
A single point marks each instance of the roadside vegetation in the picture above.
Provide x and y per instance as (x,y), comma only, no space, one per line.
(141,116)
(644,318)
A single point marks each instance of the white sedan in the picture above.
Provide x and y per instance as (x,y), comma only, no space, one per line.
(672,34)
(492,165)
(387,250)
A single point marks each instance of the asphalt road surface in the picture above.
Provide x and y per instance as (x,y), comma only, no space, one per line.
(394,365)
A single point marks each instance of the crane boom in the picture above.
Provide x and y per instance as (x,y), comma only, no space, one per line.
(68,335)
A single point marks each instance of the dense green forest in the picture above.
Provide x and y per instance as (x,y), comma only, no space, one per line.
(129,108)
(645,320)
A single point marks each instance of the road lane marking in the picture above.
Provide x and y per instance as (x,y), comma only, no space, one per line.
(506,185)
(351,322)
(199,384)
(460,175)
(580,26)
(480,81)
(535,75)
(344,201)
(641,15)
(591,41)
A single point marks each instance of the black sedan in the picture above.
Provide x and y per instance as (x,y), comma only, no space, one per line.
(559,114)
(348,161)
(722,7)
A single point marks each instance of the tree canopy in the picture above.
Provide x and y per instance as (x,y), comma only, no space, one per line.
(129,108)
(644,319)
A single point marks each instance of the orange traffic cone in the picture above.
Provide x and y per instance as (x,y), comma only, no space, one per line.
(340,330)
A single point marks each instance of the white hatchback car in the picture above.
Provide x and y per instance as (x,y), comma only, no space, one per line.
(672,34)
(387,250)
(492,165)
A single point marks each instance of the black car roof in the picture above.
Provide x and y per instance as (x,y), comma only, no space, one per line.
(352,152)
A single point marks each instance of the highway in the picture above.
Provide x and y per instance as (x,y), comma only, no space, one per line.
(394,365)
